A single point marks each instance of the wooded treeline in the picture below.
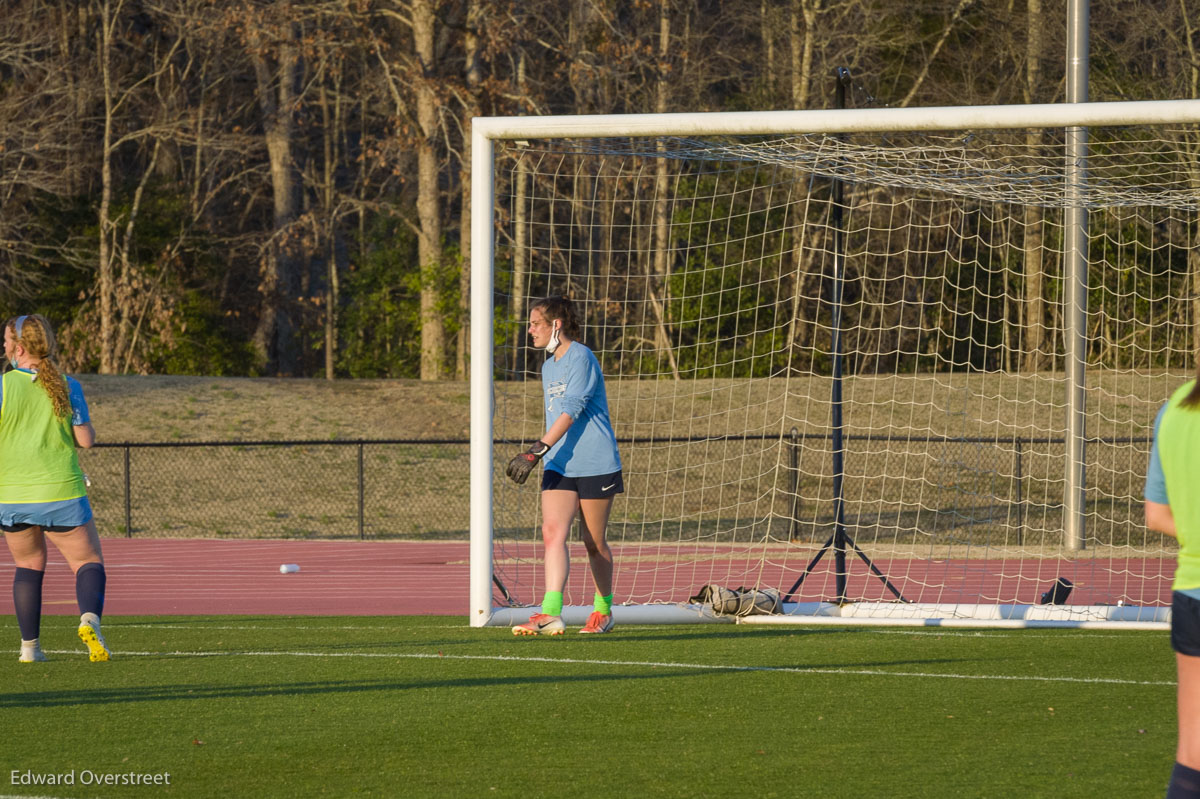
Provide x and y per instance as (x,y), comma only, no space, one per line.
(281,188)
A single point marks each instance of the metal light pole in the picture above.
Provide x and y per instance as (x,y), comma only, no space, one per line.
(1075,267)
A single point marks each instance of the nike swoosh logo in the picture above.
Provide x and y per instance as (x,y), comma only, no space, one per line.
(608,487)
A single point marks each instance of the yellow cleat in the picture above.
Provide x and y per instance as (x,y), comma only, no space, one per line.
(89,633)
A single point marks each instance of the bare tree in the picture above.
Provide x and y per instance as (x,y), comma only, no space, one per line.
(1190,19)
(433,328)
(520,227)
(1034,316)
(106,279)
(802,11)
(473,78)
(126,291)
(272,38)
(662,253)
(39,129)
(274,133)
(331,125)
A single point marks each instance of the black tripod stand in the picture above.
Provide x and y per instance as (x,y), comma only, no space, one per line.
(839,541)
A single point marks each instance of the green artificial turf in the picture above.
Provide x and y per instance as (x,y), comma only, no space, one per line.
(426,706)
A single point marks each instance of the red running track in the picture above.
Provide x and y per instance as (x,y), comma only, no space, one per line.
(203,576)
(206,576)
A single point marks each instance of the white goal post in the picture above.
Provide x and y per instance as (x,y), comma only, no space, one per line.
(961,422)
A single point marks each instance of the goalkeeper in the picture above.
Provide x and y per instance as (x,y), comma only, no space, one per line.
(582,470)
(1173,507)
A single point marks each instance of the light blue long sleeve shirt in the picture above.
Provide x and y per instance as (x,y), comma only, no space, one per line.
(574,385)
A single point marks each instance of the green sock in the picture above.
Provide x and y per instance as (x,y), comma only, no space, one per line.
(552,603)
(603,604)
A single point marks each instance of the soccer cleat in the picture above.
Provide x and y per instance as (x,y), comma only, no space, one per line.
(598,623)
(89,633)
(541,624)
(32,653)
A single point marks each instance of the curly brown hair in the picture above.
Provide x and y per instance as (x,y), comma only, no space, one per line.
(559,308)
(33,332)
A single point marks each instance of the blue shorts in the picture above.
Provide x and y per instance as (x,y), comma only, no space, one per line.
(600,486)
(1185,624)
(63,515)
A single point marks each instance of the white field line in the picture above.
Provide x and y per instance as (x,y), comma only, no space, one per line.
(112,625)
(644,664)
(857,630)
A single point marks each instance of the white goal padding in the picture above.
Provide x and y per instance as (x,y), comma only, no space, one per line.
(1095,617)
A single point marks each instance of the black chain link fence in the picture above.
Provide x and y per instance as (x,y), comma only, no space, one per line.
(975,489)
(273,489)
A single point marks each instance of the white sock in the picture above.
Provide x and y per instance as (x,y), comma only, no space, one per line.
(29,644)
(90,618)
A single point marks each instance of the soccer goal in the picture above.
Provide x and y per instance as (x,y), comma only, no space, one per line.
(899,365)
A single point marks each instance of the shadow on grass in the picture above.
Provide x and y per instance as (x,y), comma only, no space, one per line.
(171,693)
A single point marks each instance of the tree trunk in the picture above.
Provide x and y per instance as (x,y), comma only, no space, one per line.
(473,76)
(661,273)
(106,282)
(276,335)
(802,49)
(429,246)
(1192,145)
(330,124)
(803,15)
(765,11)
(520,240)
(520,260)
(1034,321)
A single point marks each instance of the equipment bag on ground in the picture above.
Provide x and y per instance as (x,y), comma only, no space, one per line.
(739,601)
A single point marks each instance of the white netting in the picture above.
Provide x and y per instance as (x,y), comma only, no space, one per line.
(702,270)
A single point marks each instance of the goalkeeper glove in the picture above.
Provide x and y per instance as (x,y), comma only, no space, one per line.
(520,466)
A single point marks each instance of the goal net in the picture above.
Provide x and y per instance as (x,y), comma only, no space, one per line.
(838,351)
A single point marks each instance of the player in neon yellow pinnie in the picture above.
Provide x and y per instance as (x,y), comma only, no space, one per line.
(43,491)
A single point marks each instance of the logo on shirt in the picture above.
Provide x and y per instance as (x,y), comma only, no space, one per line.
(555,390)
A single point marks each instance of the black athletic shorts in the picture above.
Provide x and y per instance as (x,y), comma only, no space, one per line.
(46,528)
(599,486)
(1185,624)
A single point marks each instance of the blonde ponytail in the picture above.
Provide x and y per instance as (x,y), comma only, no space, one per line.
(37,337)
